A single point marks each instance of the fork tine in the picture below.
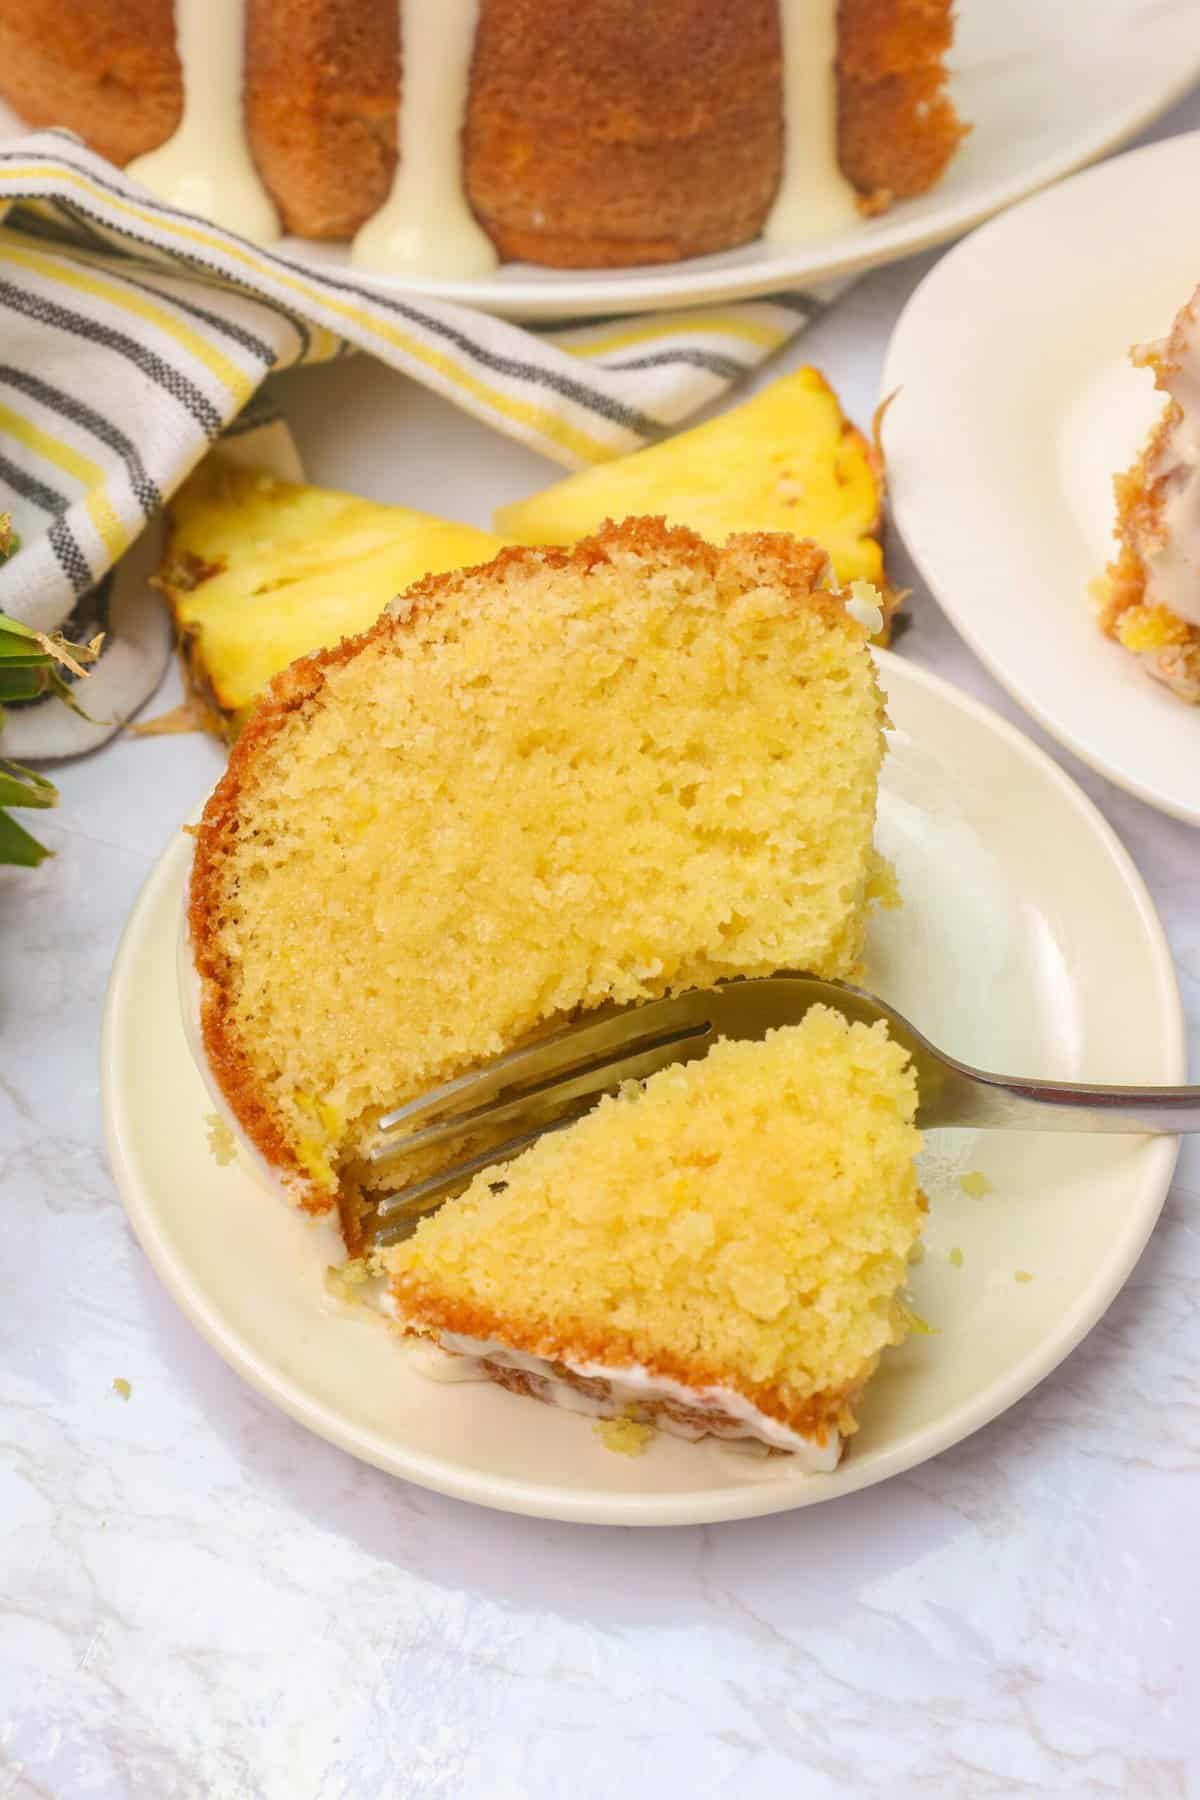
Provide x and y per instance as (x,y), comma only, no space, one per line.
(639,1057)
(561,1051)
(396,1214)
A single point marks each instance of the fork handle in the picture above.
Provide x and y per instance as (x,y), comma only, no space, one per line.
(1000,1101)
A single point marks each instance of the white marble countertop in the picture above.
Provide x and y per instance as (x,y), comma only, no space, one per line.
(197,1598)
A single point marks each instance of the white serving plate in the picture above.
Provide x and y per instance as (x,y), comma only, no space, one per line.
(1016,403)
(1027,940)
(1047,88)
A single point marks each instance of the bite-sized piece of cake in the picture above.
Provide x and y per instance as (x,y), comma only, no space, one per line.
(787,459)
(1150,596)
(564,778)
(260,571)
(578,135)
(719,1249)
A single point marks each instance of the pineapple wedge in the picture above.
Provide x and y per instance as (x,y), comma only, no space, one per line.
(260,571)
(786,460)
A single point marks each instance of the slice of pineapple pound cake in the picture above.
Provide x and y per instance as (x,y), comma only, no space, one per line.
(718,1250)
(565,778)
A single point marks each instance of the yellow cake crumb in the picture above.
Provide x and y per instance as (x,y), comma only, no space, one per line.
(956,1258)
(625,1437)
(975,1183)
(916,1255)
(122,1387)
(343,1279)
(883,884)
(1022,1275)
(221,1142)
(1142,628)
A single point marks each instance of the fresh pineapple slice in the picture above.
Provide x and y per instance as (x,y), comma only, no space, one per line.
(259,572)
(786,460)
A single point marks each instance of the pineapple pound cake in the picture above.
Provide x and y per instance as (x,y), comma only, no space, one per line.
(1149,598)
(564,778)
(720,1249)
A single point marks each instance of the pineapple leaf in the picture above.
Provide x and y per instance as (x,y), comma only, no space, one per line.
(32,664)
(21,683)
(29,665)
(20,786)
(13,628)
(17,847)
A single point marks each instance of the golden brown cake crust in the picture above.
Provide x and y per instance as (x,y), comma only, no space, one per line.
(109,73)
(321,85)
(813,1415)
(797,567)
(596,136)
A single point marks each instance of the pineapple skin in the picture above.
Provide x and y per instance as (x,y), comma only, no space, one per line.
(786,460)
(258,572)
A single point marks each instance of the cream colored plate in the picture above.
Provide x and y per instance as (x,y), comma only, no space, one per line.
(1016,403)
(1027,940)
(1047,88)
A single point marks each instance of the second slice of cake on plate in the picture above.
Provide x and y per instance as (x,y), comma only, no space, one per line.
(1150,596)
(559,780)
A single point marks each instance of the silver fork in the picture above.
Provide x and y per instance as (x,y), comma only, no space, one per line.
(550,1083)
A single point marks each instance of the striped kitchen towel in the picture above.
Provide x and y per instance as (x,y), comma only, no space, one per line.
(132,335)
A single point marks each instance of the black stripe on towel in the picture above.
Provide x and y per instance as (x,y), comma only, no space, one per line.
(67,407)
(171,380)
(605,407)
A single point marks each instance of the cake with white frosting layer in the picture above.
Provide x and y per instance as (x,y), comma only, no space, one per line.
(1150,596)
(719,1250)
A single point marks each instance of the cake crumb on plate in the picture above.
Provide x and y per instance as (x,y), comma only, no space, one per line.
(627,1437)
(221,1140)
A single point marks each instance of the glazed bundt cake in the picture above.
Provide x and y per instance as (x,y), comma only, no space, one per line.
(444,136)
(564,778)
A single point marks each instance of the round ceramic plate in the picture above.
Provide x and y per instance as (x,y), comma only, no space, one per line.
(1026,940)
(1046,88)
(1016,403)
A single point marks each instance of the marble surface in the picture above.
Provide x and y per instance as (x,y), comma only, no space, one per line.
(199,1599)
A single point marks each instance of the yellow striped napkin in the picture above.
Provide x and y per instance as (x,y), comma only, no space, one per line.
(132,335)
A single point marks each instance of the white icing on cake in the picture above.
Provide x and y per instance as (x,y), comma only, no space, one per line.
(205,166)
(1171,551)
(631,1385)
(814,198)
(425,226)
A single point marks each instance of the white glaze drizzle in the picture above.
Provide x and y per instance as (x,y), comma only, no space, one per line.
(814,198)
(425,226)
(1171,550)
(632,1385)
(205,166)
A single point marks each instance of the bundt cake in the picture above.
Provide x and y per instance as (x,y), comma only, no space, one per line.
(718,1250)
(607,134)
(564,778)
(1150,595)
